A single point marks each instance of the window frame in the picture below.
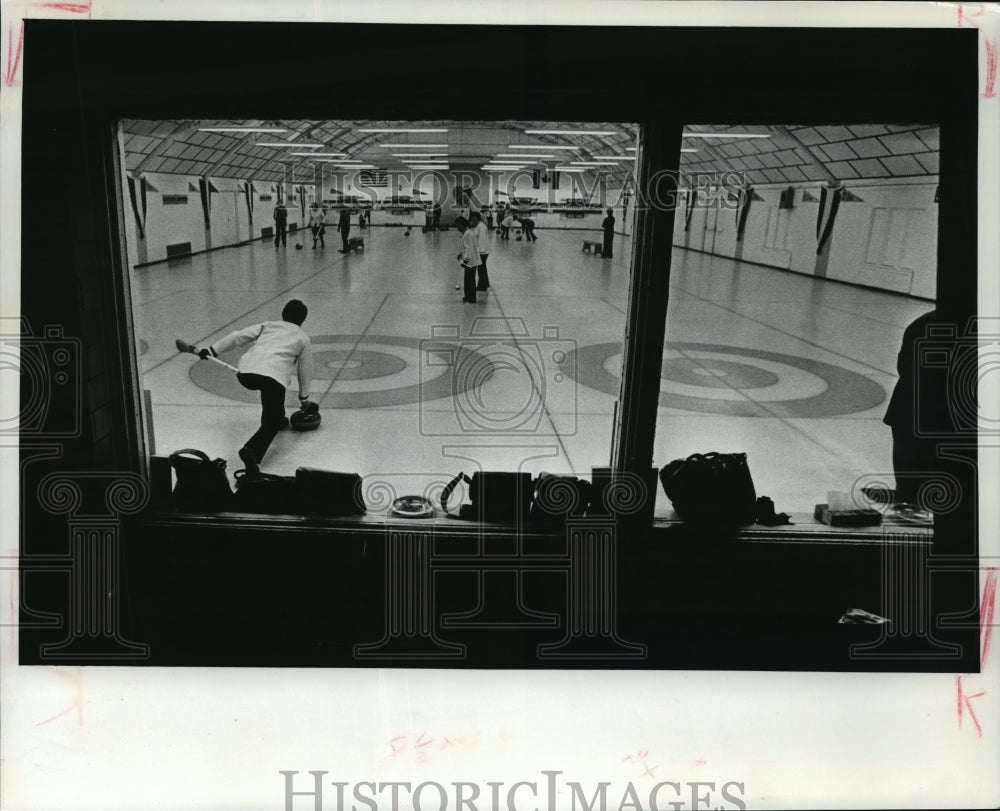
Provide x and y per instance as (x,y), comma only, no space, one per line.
(109,96)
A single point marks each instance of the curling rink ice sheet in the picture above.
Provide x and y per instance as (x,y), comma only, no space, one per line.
(413,383)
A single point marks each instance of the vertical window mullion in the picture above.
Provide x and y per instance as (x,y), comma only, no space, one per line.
(656,183)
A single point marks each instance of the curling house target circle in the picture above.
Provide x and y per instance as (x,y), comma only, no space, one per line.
(711,378)
(717,373)
(343,364)
(521,395)
(355,367)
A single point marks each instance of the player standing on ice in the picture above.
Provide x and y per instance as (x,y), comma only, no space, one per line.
(278,348)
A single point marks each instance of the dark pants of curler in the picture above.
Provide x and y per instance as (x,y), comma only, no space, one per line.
(484,276)
(470,283)
(272,414)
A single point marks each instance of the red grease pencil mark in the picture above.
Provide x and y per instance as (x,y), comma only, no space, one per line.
(963,705)
(986,611)
(965,18)
(13,54)
(989,88)
(77,676)
(641,756)
(72,8)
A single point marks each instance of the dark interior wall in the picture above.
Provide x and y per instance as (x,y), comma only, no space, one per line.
(80,77)
(236,599)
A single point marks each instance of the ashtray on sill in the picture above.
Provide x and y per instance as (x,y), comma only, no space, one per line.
(911,513)
(412,507)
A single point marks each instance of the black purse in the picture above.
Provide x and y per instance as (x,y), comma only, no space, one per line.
(202,483)
(267,493)
(559,497)
(497,497)
(712,489)
(309,492)
(325,492)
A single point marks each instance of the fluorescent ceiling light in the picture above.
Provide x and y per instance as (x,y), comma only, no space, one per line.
(570,132)
(320,154)
(399,129)
(356,165)
(689,150)
(414,146)
(512,155)
(547,146)
(631,148)
(291,145)
(569,169)
(439,168)
(594,163)
(725,135)
(614,157)
(502,168)
(420,154)
(241,129)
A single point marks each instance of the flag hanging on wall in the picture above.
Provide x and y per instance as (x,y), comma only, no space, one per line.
(823,231)
(743,211)
(248,195)
(206,200)
(140,220)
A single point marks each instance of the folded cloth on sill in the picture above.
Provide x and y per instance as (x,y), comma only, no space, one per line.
(766,514)
(858,616)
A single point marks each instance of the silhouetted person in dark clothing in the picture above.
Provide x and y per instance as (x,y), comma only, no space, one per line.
(280,225)
(609,234)
(933,413)
(919,410)
(344,226)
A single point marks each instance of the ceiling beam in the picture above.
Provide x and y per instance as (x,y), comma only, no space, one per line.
(160,148)
(832,179)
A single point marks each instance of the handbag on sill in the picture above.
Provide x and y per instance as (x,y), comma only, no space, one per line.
(327,492)
(267,493)
(202,483)
(711,490)
(497,497)
(310,491)
(559,497)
